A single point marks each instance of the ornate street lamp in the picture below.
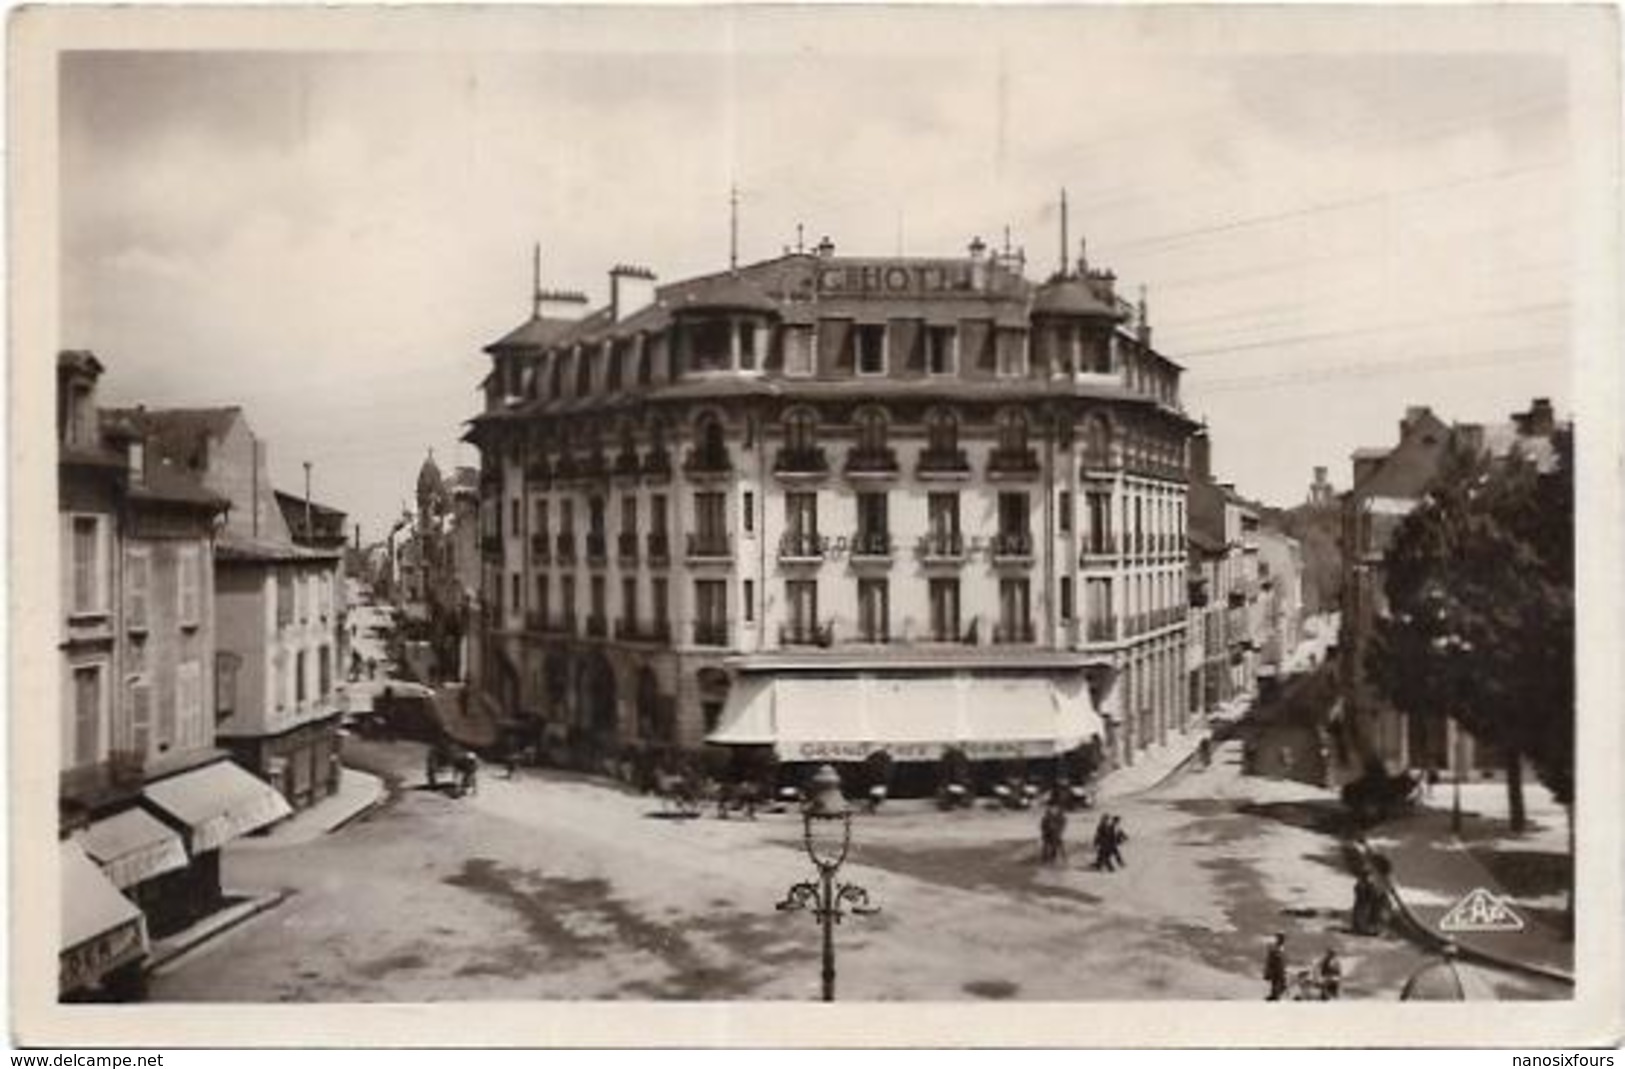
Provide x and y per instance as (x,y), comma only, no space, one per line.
(827,835)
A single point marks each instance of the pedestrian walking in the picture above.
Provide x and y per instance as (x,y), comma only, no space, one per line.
(1115,841)
(1275,968)
(1103,843)
(1330,974)
(1052,833)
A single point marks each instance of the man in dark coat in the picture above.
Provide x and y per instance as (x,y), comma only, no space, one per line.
(1115,841)
(1103,843)
(1275,968)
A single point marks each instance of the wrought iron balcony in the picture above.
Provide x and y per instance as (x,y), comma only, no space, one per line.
(566,468)
(949,463)
(540,548)
(596,466)
(709,545)
(597,627)
(537,473)
(659,547)
(810,460)
(565,548)
(1013,545)
(1101,629)
(627,465)
(872,463)
(943,545)
(707,462)
(1098,545)
(491,545)
(1016,463)
(657,464)
(626,547)
(801,545)
(710,632)
(872,545)
(597,546)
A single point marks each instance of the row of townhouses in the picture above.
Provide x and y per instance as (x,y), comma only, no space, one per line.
(201,642)
(827,506)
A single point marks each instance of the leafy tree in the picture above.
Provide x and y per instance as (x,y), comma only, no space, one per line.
(1480,586)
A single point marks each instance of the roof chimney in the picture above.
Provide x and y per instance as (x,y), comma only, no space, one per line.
(631,289)
(1540,420)
(826,247)
(1201,456)
(561,304)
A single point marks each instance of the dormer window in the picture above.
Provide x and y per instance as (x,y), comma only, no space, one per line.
(583,373)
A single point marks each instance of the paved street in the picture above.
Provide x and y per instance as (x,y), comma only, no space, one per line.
(556,887)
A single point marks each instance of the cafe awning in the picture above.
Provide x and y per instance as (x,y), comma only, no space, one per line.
(101,929)
(217,803)
(133,846)
(912,718)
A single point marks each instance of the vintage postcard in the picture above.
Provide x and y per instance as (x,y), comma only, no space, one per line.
(724,525)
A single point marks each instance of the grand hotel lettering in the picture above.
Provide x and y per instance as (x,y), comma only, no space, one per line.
(896,280)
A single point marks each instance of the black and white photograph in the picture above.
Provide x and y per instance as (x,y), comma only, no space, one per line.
(982,510)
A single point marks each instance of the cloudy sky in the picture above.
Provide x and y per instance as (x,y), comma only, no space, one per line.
(1334,220)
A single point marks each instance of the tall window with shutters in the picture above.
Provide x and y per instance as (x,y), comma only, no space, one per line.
(88,596)
(140,697)
(137,584)
(189,705)
(188,580)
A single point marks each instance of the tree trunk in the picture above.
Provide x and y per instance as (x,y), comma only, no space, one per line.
(1515,810)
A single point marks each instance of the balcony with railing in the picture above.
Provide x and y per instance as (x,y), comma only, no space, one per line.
(1098,547)
(536,621)
(808,462)
(707,463)
(943,464)
(657,465)
(595,466)
(947,547)
(626,547)
(627,465)
(538,474)
(801,547)
(1013,464)
(565,547)
(597,547)
(642,630)
(541,548)
(710,632)
(659,547)
(1014,632)
(871,463)
(710,545)
(872,547)
(1013,546)
(491,545)
(1100,629)
(566,468)
(806,633)
(597,627)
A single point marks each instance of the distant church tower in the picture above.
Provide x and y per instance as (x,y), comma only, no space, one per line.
(1321,491)
(430,525)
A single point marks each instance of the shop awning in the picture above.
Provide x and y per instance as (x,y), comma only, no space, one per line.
(101,929)
(133,846)
(217,804)
(912,718)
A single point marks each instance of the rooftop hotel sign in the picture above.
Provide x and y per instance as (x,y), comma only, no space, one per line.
(900,278)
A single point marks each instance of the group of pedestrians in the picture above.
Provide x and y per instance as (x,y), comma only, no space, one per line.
(1324,982)
(1109,838)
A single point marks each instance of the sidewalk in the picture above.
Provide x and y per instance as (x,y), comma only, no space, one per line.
(1433,870)
(358,792)
(1155,764)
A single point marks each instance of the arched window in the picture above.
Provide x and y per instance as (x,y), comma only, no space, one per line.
(1012,431)
(1097,442)
(800,431)
(941,431)
(871,426)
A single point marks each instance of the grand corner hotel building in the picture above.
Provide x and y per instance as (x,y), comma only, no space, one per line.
(833,505)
